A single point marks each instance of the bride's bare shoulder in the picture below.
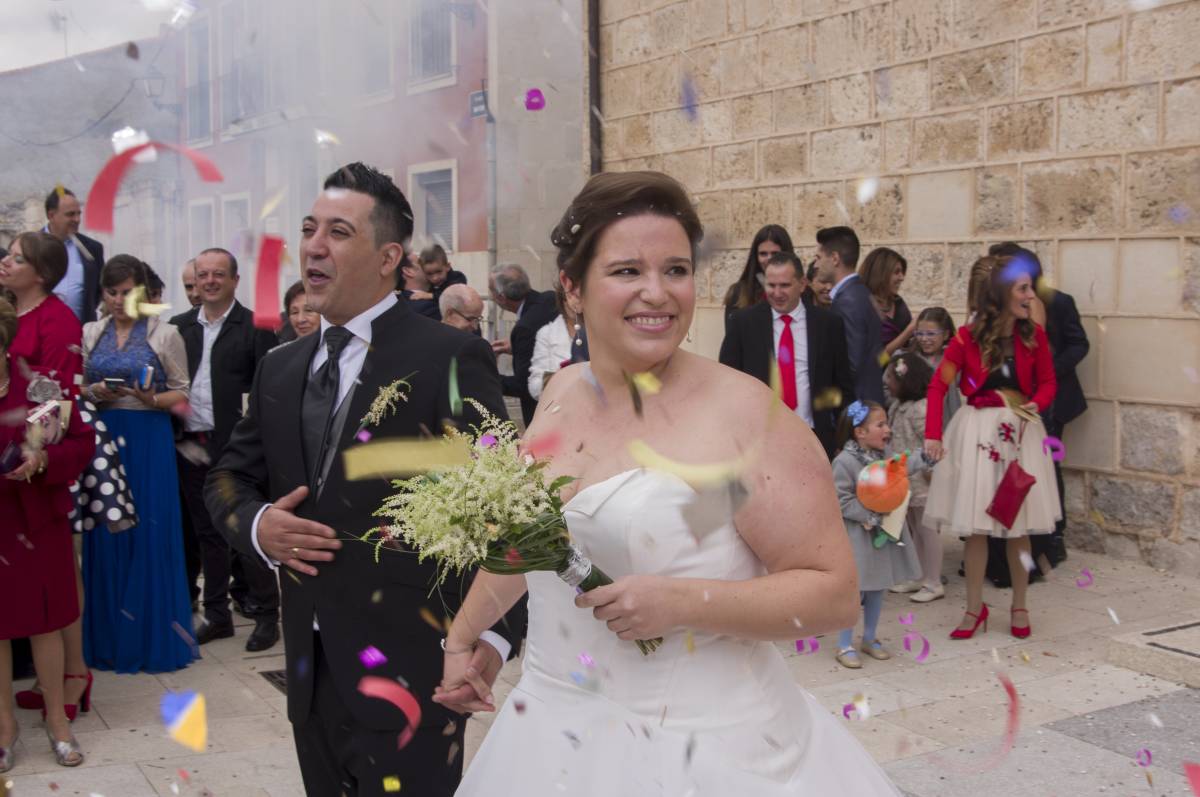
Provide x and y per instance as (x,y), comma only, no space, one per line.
(726,388)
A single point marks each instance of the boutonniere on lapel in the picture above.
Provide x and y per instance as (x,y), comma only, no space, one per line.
(386,402)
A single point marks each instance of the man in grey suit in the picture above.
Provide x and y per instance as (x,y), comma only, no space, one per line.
(837,257)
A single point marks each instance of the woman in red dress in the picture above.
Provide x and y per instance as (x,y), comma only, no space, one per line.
(38,584)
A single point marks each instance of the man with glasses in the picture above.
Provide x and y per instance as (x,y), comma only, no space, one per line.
(462,308)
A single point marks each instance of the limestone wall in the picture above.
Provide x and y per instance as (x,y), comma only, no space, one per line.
(1070,125)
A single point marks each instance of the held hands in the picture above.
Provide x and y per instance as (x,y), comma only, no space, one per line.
(634,607)
(934,450)
(292,540)
(467,678)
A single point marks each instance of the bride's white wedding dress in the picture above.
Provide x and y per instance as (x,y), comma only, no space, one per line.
(705,714)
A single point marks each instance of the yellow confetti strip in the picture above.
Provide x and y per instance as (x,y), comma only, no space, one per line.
(689,641)
(647,383)
(136,305)
(697,476)
(397,458)
(1025,657)
(60,189)
(884,359)
(272,203)
(391,783)
(429,617)
(828,399)
(191,729)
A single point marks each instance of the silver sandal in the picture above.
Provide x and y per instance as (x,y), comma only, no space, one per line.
(67,754)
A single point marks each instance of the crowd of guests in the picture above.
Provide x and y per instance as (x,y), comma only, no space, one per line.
(147,403)
(969,409)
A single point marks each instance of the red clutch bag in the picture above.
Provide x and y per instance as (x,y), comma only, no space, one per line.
(1006,503)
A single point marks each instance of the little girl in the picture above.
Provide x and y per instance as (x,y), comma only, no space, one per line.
(935,327)
(907,379)
(864,434)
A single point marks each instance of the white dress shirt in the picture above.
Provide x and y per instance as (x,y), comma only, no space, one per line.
(800,350)
(551,347)
(349,366)
(841,283)
(200,419)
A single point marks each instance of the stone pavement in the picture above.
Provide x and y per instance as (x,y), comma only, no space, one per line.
(933,726)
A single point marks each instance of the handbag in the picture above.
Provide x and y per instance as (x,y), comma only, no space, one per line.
(1011,492)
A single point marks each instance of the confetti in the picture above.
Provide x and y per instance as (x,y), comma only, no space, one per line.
(377,596)
(697,476)
(1191,374)
(430,618)
(326,139)
(859,705)
(866,189)
(807,646)
(132,51)
(647,383)
(395,458)
(456,402)
(1144,757)
(1025,657)
(906,619)
(1054,447)
(1193,775)
(828,399)
(136,306)
(884,359)
(98,209)
(910,638)
(1012,726)
(272,202)
(689,97)
(398,696)
(544,445)
(391,783)
(1154,720)
(186,719)
(1179,213)
(519,706)
(371,657)
(1113,615)
(1027,561)
(487,440)
(689,641)
(266,283)
(1085,579)
(535,100)
(363,436)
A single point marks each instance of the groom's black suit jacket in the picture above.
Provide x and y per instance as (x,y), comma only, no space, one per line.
(357,601)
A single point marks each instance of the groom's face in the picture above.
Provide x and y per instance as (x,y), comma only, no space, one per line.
(345,271)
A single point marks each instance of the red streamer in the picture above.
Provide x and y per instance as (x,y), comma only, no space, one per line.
(1010,732)
(98,211)
(1193,775)
(398,696)
(266,286)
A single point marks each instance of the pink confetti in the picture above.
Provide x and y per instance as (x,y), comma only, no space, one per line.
(398,696)
(372,657)
(535,100)
(544,445)
(1085,580)
(906,619)
(363,436)
(806,646)
(1055,448)
(1144,757)
(846,709)
(586,660)
(487,440)
(913,636)
(266,283)
(1193,775)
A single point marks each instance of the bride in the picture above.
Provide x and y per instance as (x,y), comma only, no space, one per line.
(714,711)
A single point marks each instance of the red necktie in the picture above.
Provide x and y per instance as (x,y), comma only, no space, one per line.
(787,363)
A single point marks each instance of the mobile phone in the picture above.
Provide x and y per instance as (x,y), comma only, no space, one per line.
(10,458)
(112,382)
(147,377)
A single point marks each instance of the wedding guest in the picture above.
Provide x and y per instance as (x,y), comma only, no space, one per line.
(139,616)
(554,345)
(462,308)
(302,320)
(748,289)
(38,588)
(223,348)
(864,436)
(883,273)
(80,287)
(438,271)
(510,288)
(188,275)
(837,257)
(154,286)
(1004,364)
(415,288)
(820,285)
(807,343)
(935,327)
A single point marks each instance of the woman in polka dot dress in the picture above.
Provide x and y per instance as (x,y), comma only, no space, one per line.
(139,615)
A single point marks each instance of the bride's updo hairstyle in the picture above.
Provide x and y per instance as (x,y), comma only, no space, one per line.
(610,197)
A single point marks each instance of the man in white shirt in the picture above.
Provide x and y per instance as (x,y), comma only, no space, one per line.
(80,287)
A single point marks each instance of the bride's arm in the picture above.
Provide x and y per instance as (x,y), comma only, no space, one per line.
(792,523)
(489,599)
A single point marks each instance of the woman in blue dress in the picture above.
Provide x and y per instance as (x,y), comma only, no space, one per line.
(138,614)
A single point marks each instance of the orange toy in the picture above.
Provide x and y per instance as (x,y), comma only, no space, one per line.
(883,485)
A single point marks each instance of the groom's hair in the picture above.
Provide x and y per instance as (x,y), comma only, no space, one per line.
(392,216)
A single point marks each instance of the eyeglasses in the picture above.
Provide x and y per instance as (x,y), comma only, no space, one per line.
(926,334)
(473,320)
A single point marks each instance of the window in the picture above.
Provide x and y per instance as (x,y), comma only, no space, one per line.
(200,226)
(199,81)
(433,207)
(294,62)
(243,61)
(372,26)
(431,42)
(235,218)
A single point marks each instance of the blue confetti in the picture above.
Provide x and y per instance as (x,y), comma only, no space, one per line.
(690,98)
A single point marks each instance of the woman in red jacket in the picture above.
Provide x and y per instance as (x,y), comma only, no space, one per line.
(37,585)
(1004,368)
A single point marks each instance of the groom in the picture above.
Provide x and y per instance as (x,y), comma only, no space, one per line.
(280,491)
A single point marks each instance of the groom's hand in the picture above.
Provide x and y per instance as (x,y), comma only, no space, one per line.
(469,689)
(293,540)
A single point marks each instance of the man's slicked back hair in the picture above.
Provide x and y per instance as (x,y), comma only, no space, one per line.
(392,215)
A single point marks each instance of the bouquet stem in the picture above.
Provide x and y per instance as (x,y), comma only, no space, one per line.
(580,573)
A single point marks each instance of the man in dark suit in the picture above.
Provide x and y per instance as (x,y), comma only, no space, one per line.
(509,286)
(282,487)
(837,258)
(807,342)
(80,287)
(223,351)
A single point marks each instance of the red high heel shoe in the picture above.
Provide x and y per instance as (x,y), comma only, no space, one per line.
(30,700)
(1022,633)
(73,710)
(967,633)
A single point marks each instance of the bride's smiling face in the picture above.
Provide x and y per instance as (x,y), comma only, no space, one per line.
(639,292)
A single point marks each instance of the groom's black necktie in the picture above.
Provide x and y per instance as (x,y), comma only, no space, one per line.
(320,399)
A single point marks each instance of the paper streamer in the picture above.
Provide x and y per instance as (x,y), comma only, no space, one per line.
(98,210)
(186,719)
(400,458)
(910,638)
(1011,729)
(456,402)
(906,619)
(266,283)
(1144,757)
(1085,579)
(398,696)
(806,646)
(1193,775)
(858,705)
(1055,448)
(697,476)
(544,445)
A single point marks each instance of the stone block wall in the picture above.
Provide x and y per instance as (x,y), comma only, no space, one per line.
(1072,126)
